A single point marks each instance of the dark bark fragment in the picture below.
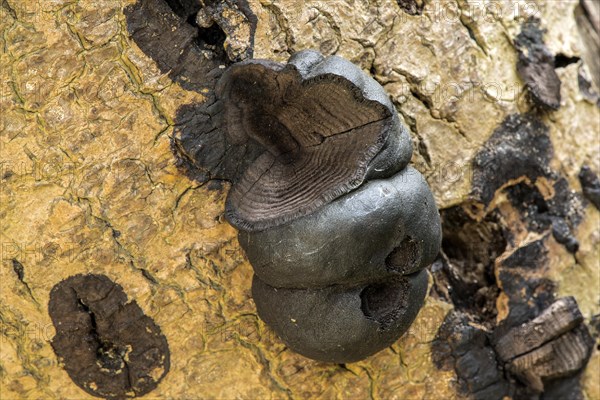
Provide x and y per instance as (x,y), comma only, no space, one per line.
(561,213)
(527,291)
(411,7)
(515,163)
(236,22)
(185,8)
(545,354)
(108,346)
(561,317)
(590,185)
(467,273)
(536,66)
(195,56)
(519,148)
(463,346)
(171,42)
(515,159)
(558,358)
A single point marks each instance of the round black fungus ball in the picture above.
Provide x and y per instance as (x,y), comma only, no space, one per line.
(384,228)
(341,324)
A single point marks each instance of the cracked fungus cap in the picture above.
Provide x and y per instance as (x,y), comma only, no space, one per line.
(325,127)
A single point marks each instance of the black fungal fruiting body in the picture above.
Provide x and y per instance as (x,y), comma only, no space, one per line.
(336,225)
(108,346)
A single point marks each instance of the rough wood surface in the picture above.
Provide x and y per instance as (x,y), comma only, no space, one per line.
(88,184)
(560,317)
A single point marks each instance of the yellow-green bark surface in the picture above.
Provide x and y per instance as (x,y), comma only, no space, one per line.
(88,184)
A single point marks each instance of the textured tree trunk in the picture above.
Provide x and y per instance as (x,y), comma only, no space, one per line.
(109,165)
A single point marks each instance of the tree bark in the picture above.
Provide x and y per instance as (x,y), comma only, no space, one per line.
(102,104)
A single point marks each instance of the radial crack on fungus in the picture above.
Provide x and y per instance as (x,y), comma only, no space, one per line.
(336,225)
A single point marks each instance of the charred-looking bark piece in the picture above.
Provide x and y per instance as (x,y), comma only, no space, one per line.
(536,66)
(108,346)
(516,159)
(235,19)
(560,317)
(553,345)
(508,336)
(519,149)
(590,185)
(192,42)
(325,126)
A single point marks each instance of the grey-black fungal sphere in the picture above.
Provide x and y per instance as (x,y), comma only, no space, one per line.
(384,228)
(342,324)
(335,224)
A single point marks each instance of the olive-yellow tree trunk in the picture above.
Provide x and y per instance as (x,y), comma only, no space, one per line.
(92,181)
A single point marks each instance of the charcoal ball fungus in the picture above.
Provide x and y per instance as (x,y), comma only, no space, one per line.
(384,228)
(335,224)
(341,324)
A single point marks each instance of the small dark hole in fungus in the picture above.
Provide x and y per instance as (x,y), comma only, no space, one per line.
(383,302)
(403,257)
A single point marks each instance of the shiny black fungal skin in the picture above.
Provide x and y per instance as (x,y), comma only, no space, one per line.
(340,324)
(343,277)
(350,240)
(108,346)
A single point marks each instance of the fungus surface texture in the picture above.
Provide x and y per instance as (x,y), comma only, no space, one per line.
(335,224)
